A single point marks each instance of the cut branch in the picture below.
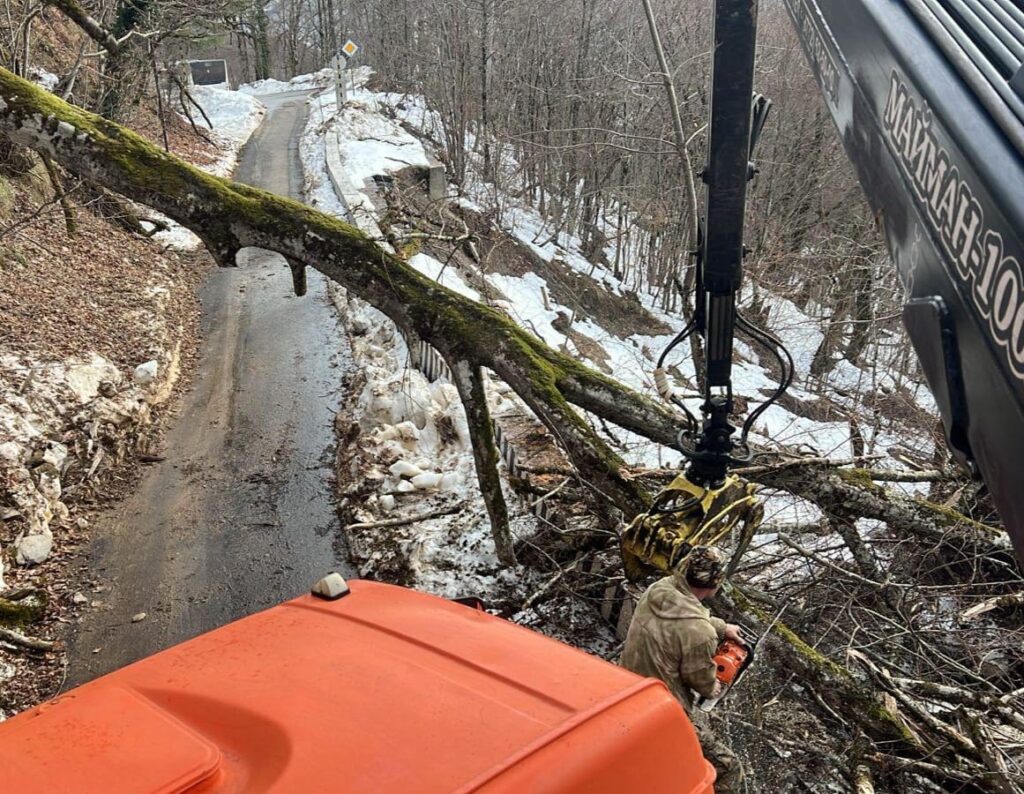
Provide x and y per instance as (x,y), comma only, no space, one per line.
(23,641)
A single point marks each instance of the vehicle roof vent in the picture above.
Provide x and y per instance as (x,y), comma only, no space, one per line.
(331,587)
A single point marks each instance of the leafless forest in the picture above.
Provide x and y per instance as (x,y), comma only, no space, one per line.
(895,658)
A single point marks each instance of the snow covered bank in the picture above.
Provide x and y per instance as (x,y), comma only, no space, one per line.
(406,470)
(303,82)
(410,454)
(233,117)
(65,422)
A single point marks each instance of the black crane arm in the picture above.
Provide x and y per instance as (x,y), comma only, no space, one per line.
(928,98)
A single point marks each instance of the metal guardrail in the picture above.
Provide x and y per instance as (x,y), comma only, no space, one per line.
(617,605)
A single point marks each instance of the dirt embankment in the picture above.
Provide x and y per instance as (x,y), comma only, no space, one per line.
(99,329)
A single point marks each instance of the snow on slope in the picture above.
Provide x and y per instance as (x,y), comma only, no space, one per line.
(374,144)
(233,116)
(373,141)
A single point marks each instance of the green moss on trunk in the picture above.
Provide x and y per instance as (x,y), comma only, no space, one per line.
(14,614)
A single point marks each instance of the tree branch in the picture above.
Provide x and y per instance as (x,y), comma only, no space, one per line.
(228,217)
(93,29)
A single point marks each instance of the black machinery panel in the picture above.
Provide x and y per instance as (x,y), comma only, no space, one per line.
(927,115)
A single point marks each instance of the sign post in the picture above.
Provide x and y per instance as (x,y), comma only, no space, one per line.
(339,82)
(348,49)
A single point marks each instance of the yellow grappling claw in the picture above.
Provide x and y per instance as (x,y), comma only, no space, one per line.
(685,515)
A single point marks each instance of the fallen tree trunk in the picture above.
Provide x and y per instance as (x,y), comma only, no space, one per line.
(229,217)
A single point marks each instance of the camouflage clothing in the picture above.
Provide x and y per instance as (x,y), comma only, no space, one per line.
(673,637)
(704,567)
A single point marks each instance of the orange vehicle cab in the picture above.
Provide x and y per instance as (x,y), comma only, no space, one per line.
(382,690)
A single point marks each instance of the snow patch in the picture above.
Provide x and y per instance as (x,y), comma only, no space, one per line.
(303,82)
(233,116)
(40,76)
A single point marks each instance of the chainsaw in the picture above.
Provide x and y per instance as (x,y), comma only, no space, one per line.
(732,660)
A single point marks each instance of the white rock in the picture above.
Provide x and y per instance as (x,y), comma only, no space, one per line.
(450,481)
(33,549)
(138,617)
(145,373)
(55,453)
(387,503)
(79,598)
(402,468)
(84,379)
(7,672)
(426,481)
(405,486)
(11,452)
(408,431)
(48,482)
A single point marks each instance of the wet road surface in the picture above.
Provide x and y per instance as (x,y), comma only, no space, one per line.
(239,516)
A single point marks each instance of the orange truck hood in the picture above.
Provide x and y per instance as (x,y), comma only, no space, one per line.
(384,690)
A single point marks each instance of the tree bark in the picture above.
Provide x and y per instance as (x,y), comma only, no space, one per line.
(93,29)
(229,216)
(470,383)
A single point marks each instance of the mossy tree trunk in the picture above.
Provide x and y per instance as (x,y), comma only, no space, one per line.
(18,608)
(229,216)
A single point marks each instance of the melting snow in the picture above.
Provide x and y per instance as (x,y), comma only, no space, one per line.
(233,117)
(304,82)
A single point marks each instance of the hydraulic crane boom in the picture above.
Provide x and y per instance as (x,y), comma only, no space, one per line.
(928,97)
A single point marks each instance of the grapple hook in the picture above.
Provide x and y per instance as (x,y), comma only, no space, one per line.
(685,514)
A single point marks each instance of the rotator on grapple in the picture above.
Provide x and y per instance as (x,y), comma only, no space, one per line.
(706,502)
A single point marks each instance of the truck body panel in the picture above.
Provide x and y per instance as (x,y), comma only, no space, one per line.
(383,690)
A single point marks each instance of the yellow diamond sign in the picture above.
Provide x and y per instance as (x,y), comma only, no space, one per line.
(350,48)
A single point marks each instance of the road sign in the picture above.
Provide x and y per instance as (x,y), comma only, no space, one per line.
(209,72)
(350,48)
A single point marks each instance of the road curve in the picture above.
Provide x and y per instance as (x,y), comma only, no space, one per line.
(240,515)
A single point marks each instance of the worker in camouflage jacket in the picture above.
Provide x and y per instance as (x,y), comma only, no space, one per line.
(673,637)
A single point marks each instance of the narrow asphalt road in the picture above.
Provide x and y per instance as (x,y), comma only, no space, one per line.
(239,516)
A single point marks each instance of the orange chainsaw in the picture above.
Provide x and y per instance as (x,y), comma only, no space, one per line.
(732,660)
